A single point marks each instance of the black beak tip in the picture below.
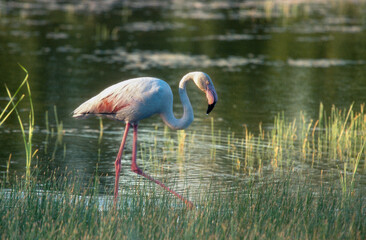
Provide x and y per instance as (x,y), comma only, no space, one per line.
(210,107)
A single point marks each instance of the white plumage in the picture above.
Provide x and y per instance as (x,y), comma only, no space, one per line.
(129,101)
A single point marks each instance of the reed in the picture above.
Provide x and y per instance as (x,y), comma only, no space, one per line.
(336,139)
(181,135)
(8,168)
(12,99)
(59,125)
(27,140)
(100,138)
(47,133)
(290,208)
(101,130)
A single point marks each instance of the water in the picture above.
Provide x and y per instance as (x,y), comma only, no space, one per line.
(263,57)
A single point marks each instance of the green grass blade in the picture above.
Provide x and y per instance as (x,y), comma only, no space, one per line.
(14,106)
(345,122)
(15,94)
(20,122)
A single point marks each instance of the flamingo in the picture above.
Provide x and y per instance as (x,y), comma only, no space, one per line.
(136,99)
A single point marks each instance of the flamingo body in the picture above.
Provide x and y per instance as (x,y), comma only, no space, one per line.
(129,101)
(136,99)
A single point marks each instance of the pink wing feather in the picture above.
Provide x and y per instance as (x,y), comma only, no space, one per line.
(109,101)
(131,100)
(109,105)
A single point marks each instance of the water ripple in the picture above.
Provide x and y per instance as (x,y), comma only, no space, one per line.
(143,60)
(323,63)
(147,26)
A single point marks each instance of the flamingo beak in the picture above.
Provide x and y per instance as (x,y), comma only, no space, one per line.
(211,98)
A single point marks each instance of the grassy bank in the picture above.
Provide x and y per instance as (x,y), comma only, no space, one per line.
(290,208)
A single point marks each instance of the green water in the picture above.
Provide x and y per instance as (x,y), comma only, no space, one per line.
(263,59)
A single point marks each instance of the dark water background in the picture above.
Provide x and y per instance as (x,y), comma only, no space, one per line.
(264,57)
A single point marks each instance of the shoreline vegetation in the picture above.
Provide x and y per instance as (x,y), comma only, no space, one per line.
(286,205)
(266,210)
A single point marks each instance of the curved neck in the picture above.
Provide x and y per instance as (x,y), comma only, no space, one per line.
(187,118)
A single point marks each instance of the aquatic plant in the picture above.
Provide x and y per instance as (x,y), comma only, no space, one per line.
(337,139)
(4,111)
(27,140)
(290,208)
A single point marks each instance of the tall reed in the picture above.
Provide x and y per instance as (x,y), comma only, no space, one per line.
(27,140)
(3,117)
(288,208)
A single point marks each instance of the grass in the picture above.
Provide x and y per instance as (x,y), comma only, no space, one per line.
(336,140)
(5,113)
(26,139)
(290,208)
(286,204)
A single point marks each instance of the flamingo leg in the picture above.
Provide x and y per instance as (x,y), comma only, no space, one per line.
(117,163)
(137,170)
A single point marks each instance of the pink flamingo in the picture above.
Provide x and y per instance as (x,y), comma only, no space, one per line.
(133,100)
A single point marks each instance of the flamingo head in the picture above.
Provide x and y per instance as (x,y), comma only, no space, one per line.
(204,82)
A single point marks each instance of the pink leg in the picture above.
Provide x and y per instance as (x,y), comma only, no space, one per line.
(137,170)
(117,163)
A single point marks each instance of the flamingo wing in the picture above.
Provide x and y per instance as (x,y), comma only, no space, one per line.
(109,105)
(109,102)
(130,100)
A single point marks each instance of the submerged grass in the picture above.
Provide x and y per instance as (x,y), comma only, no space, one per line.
(63,208)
